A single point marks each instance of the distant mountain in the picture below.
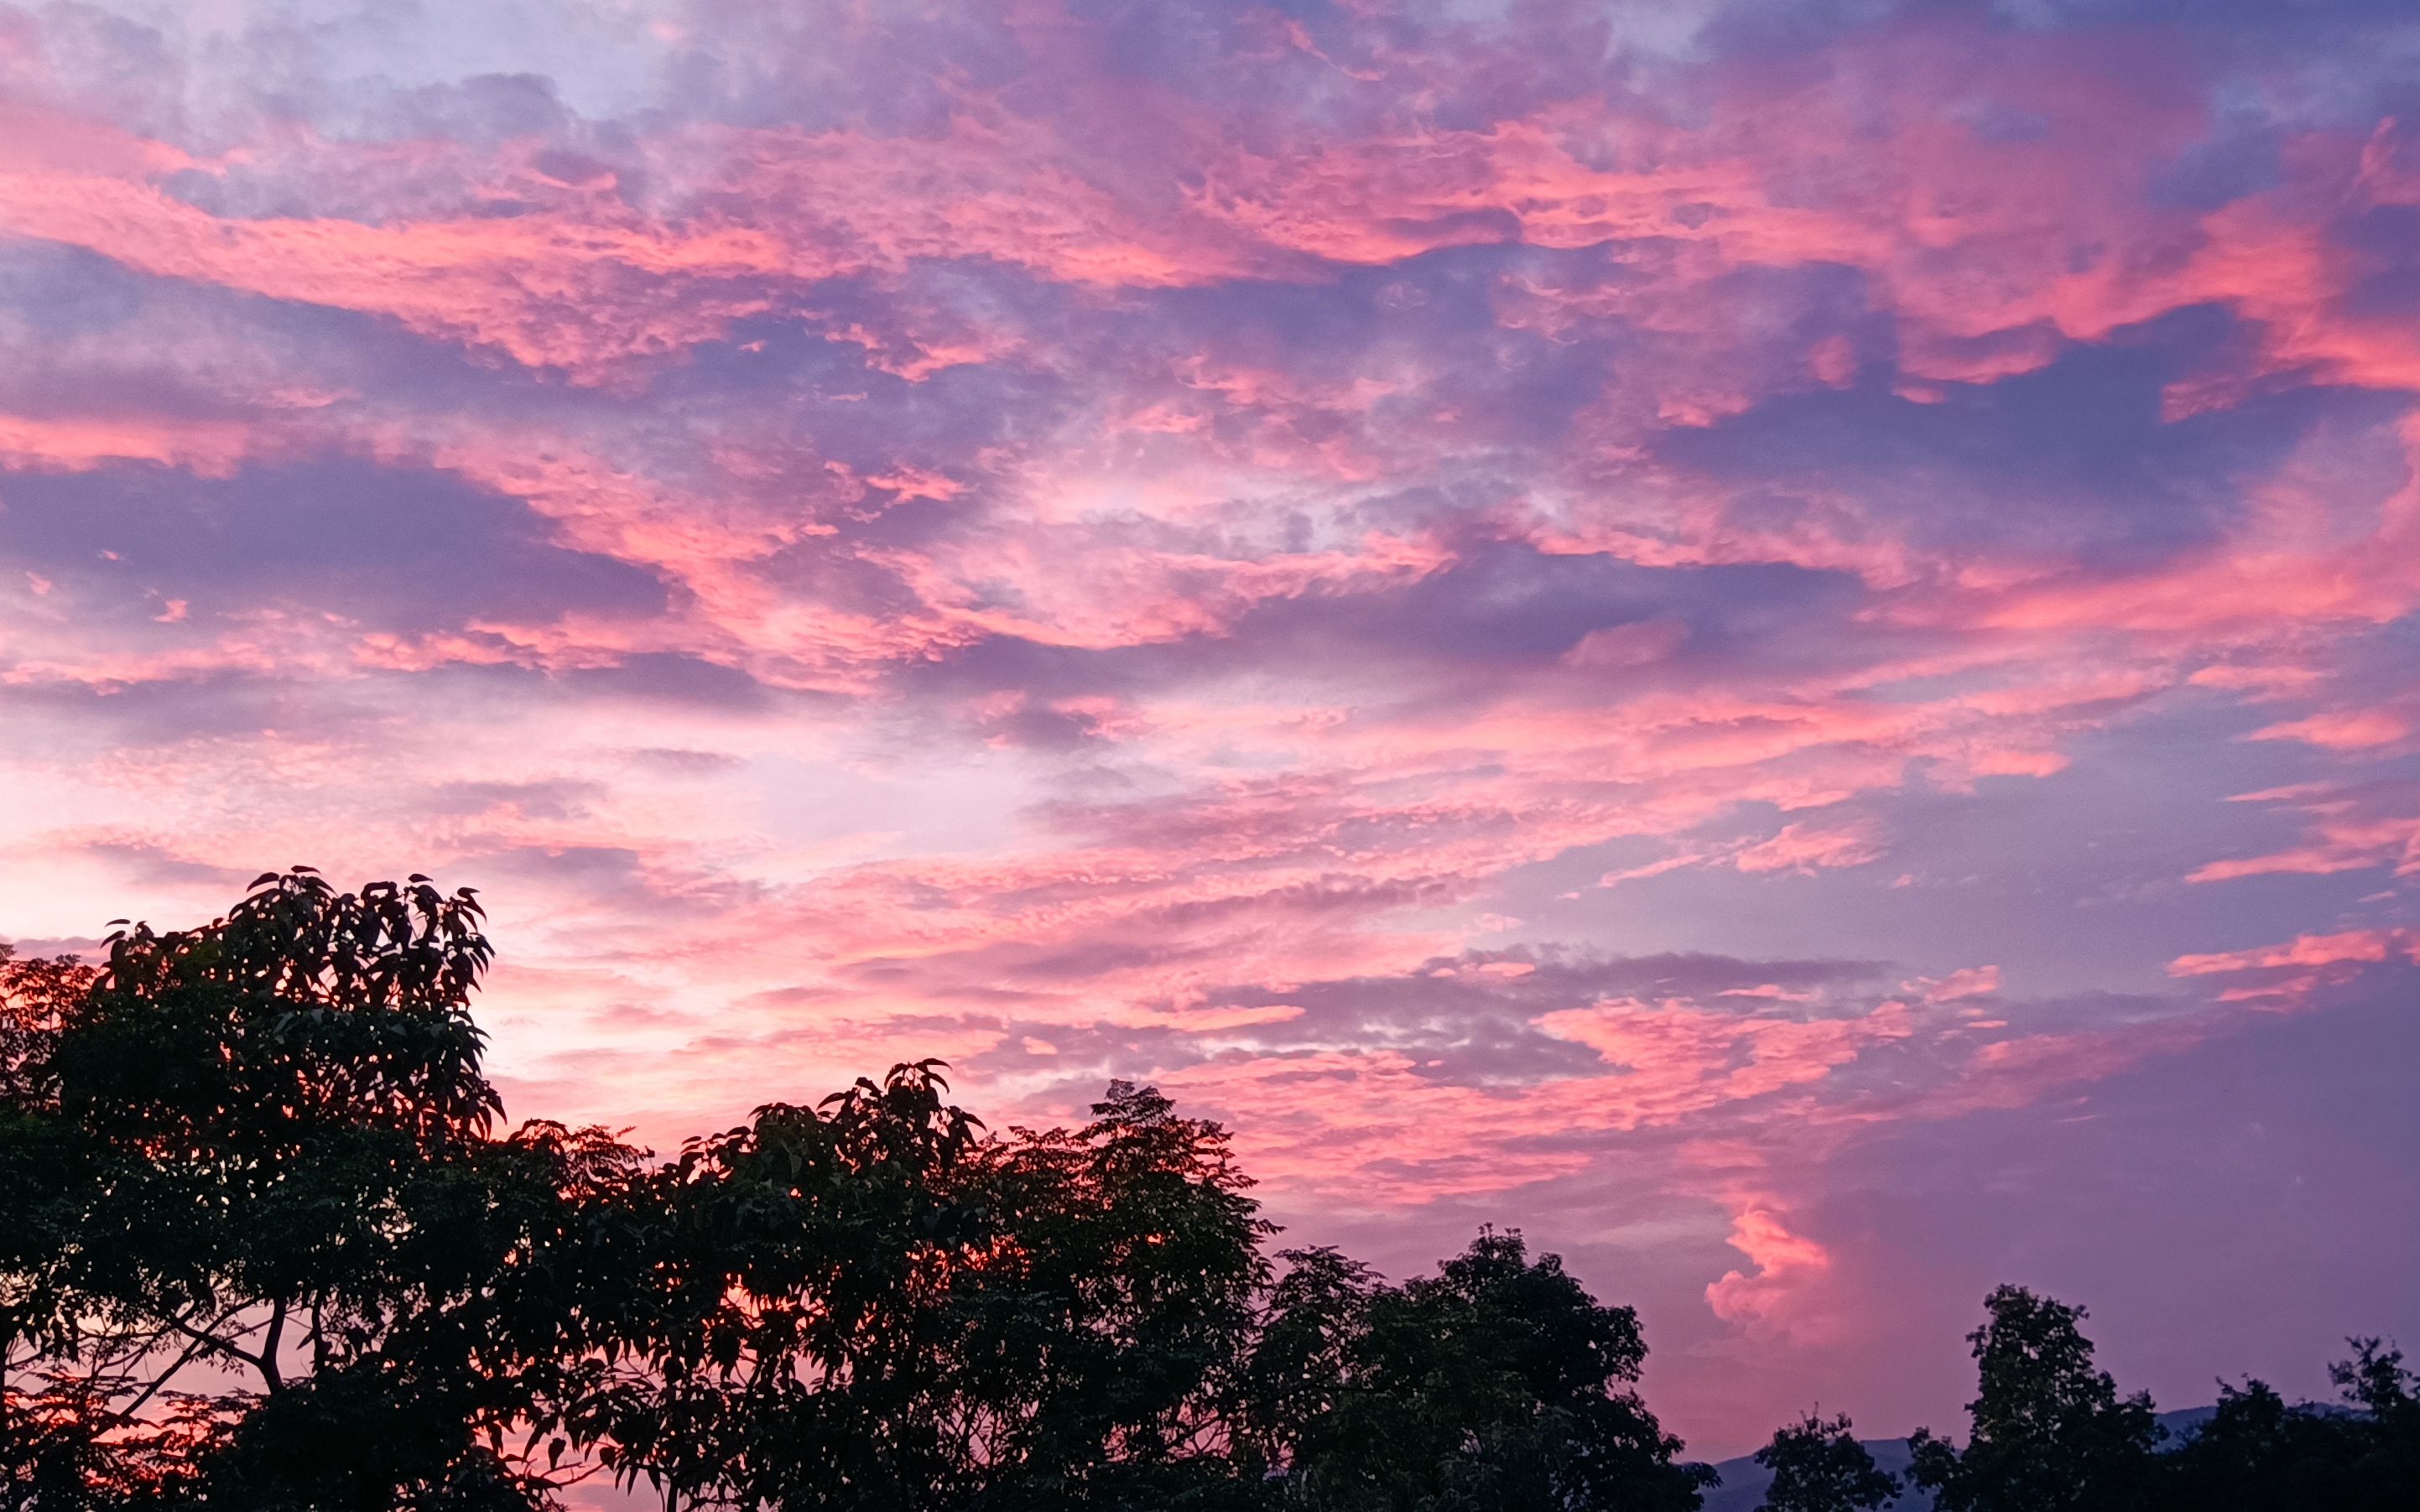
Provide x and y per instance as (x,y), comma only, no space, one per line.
(1745,1480)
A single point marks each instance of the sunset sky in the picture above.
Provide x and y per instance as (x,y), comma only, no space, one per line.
(1779,642)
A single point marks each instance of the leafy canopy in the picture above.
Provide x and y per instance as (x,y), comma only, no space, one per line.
(1819,1466)
(266,1243)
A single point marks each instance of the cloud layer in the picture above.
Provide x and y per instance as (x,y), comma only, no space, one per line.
(1633,623)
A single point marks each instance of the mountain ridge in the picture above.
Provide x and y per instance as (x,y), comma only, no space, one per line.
(1745,1481)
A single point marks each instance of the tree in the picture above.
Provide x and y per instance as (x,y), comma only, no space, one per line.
(867,1305)
(1819,1466)
(262,1147)
(1497,1383)
(2386,1397)
(1304,1359)
(262,1245)
(1112,1325)
(2261,1454)
(62,1446)
(769,1307)
(2050,1430)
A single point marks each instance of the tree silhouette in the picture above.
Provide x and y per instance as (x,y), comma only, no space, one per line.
(1307,1355)
(262,1150)
(2050,1430)
(1819,1466)
(763,1303)
(866,1305)
(259,1160)
(1497,1382)
(2260,1454)
(264,1244)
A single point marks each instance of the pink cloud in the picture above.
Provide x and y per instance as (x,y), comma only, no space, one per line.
(2340,729)
(1769,1298)
(2304,951)
(1967,981)
(2349,828)
(1807,848)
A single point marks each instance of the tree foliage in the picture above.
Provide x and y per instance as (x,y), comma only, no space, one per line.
(1819,1466)
(2261,1454)
(2049,1431)
(1497,1383)
(262,1153)
(267,1245)
(264,1244)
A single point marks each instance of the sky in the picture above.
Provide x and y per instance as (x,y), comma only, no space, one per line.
(1777,643)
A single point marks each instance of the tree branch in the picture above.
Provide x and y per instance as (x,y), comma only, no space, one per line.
(217,1345)
(268,1346)
(126,1413)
